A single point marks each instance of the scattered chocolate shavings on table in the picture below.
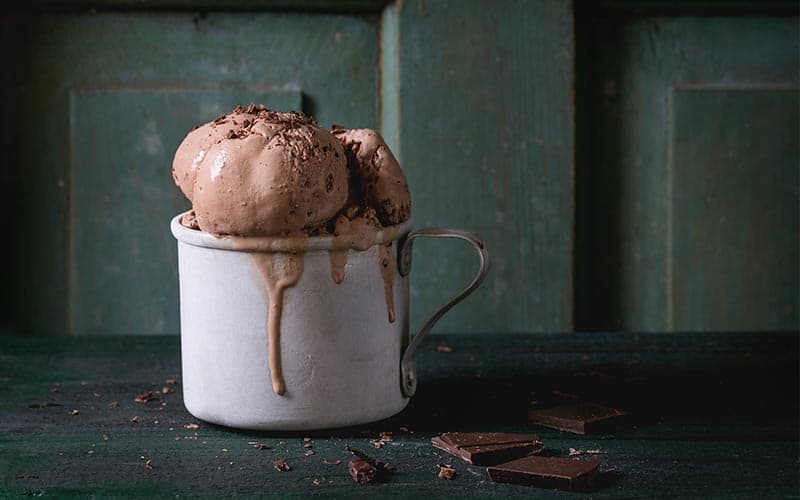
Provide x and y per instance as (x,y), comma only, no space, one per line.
(444,348)
(281,466)
(113,404)
(446,471)
(75,412)
(191,426)
(362,471)
(166,390)
(384,438)
(149,464)
(328,462)
(366,469)
(145,397)
(135,419)
(171,381)
(573,452)
(258,446)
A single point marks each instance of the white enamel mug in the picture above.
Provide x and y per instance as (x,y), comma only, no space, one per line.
(343,348)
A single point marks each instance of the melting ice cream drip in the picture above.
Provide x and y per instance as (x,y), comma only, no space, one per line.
(280,271)
(338,261)
(387,273)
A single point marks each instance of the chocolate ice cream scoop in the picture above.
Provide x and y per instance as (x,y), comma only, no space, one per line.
(376,179)
(259,172)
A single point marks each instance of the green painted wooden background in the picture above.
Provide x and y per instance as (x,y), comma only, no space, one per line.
(628,168)
(690,206)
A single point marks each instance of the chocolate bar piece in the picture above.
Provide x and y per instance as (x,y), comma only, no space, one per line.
(581,418)
(569,474)
(488,448)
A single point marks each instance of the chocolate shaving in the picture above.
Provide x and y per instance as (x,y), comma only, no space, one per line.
(144,398)
(281,466)
(446,471)
(367,469)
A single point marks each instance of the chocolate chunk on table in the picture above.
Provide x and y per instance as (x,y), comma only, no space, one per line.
(366,469)
(488,448)
(580,418)
(570,474)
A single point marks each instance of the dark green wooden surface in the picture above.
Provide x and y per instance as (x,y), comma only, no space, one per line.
(710,420)
(688,184)
(485,125)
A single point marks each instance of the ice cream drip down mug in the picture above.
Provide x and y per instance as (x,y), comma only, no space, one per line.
(301,333)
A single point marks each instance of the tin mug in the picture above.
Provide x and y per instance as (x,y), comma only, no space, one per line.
(341,354)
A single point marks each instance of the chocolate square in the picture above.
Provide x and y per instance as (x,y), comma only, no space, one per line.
(487,448)
(581,418)
(548,472)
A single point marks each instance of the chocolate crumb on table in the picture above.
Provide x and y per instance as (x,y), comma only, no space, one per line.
(446,471)
(145,397)
(362,471)
(366,469)
(487,448)
(281,466)
(580,418)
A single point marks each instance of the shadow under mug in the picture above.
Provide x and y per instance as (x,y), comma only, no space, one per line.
(343,351)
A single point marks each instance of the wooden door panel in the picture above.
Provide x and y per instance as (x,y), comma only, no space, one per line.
(101,99)
(732,259)
(689,119)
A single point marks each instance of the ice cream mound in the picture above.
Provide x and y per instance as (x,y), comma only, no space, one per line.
(256,172)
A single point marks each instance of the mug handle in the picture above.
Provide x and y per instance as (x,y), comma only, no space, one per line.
(408,375)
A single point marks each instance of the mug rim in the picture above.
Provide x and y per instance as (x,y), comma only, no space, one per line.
(301,243)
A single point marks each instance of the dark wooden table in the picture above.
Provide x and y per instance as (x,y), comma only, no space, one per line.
(714,415)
